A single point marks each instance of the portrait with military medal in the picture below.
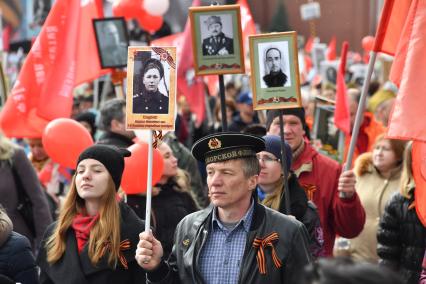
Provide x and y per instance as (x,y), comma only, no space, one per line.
(151,88)
(217,39)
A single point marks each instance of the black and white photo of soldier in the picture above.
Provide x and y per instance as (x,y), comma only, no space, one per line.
(215,41)
(151,91)
(113,42)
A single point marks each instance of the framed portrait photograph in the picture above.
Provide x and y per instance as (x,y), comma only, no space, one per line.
(319,51)
(151,88)
(217,39)
(275,71)
(324,130)
(112,41)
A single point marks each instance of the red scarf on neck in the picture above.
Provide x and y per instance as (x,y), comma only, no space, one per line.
(82,226)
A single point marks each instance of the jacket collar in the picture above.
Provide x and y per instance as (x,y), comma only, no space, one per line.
(119,140)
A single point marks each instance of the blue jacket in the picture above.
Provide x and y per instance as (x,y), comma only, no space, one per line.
(17,260)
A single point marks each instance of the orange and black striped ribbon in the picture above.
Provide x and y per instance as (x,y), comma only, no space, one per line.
(309,189)
(261,244)
(157,136)
(124,245)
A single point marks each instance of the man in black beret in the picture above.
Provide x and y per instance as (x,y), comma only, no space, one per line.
(322,179)
(235,239)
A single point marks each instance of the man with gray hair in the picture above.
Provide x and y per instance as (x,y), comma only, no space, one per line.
(236,240)
(112,121)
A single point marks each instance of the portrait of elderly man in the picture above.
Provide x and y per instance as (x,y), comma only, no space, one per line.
(113,44)
(274,65)
(217,43)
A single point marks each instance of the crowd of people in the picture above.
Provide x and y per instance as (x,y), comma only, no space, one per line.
(220,211)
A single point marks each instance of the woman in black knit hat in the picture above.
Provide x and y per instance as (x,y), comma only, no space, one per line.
(95,237)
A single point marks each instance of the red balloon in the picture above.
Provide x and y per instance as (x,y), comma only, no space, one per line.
(127,8)
(64,139)
(136,169)
(368,43)
(149,22)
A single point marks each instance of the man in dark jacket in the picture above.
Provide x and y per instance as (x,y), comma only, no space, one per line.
(236,240)
(112,122)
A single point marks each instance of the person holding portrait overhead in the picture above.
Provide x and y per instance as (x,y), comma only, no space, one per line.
(275,77)
(151,100)
(217,43)
(113,49)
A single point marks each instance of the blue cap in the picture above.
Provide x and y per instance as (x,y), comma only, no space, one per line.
(273,146)
(245,98)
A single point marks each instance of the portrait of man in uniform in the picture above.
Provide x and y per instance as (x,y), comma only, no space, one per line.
(112,42)
(216,42)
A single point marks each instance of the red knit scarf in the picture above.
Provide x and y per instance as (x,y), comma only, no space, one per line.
(82,226)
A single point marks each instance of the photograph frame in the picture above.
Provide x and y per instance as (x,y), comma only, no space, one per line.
(281,89)
(143,111)
(104,57)
(232,61)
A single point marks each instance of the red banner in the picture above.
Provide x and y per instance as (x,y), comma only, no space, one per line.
(63,56)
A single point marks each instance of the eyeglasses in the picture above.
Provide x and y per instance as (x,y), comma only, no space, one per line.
(267,159)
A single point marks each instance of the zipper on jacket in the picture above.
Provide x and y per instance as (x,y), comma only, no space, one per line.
(205,233)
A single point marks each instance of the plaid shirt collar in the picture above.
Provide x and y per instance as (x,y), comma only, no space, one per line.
(246,220)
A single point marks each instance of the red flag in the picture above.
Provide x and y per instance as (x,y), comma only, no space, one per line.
(309,44)
(409,71)
(341,114)
(419,172)
(248,26)
(63,55)
(331,50)
(189,85)
(389,30)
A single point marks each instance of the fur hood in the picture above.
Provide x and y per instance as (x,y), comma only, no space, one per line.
(364,164)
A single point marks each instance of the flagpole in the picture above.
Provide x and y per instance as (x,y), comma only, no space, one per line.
(284,166)
(149,184)
(359,114)
(223,103)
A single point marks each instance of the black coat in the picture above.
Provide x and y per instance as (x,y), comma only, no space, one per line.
(212,45)
(17,260)
(168,209)
(73,268)
(306,212)
(275,80)
(111,138)
(401,239)
(151,102)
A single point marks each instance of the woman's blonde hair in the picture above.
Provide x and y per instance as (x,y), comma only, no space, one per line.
(407,179)
(104,234)
(7,148)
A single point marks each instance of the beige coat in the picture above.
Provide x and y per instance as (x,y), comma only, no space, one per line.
(374,192)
